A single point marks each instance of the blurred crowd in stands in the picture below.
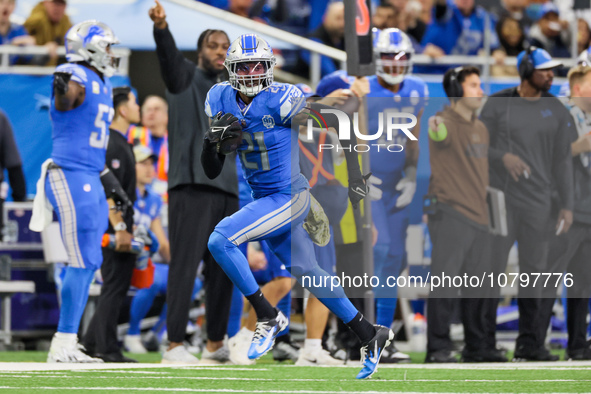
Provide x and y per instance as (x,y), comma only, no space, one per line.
(436,27)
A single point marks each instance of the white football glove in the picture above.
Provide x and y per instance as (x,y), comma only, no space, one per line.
(407,190)
(375,193)
(407,187)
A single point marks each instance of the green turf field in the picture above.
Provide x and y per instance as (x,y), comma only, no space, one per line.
(269,377)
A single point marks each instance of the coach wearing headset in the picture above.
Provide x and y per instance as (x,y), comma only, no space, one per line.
(530,160)
(458,222)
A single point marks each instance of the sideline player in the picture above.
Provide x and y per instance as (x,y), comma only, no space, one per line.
(281,194)
(81,112)
(392,89)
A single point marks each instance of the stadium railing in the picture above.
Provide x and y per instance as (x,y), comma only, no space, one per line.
(7,50)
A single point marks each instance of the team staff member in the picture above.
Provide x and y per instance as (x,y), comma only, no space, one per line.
(571,253)
(458,147)
(188,188)
(529,154)
(101,338)
(11,160)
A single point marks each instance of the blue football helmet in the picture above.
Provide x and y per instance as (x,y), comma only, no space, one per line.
(250,63)
(393,52)
(90,41)
(585,57)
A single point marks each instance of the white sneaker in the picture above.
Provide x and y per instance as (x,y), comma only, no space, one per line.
(317,356)
(285,351)
(239,345)
(66,349)
(133,344)
(220,356)
(179,355)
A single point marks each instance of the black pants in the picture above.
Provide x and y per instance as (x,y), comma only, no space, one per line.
(193,213)
(458,249)
(530,229)
(350,260)
(569,254)
(117,268)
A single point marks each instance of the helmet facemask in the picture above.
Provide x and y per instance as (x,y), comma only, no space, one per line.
(104,60)
(250,63)
(252,76)
(393,67)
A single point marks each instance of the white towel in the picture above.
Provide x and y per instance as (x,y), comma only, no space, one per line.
(42,210)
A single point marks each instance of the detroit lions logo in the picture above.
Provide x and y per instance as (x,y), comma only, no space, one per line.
(268,121)
(93,31)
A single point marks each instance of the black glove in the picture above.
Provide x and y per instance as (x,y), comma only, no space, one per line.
(358,189)
(60,82)
(222,127)
(114,190)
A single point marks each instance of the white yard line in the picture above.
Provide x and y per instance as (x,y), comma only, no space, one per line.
(30,367)
(191,390)
(214,378)
(116,367)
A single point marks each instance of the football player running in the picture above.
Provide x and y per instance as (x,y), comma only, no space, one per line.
(263,111)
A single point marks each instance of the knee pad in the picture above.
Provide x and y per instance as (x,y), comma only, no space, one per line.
(218,243)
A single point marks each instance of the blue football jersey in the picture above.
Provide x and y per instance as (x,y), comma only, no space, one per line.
(244,190)
(411,98)
(146,208)
(81,135)
(269,149)
(564,90)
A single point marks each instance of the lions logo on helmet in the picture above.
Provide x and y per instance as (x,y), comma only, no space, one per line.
(90,41)
(393,51)
(250,63)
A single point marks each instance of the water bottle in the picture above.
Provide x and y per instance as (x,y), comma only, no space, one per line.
(418,339)
(137,245)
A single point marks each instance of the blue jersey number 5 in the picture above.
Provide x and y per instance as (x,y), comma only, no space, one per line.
(99,139)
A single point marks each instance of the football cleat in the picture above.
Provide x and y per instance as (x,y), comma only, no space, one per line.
(264,335)
(372,351)
(68,350)
(316,223)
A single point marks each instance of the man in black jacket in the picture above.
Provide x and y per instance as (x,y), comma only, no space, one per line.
(101,337)
(11,160)
(529,154)
(196,203)
(569,256)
